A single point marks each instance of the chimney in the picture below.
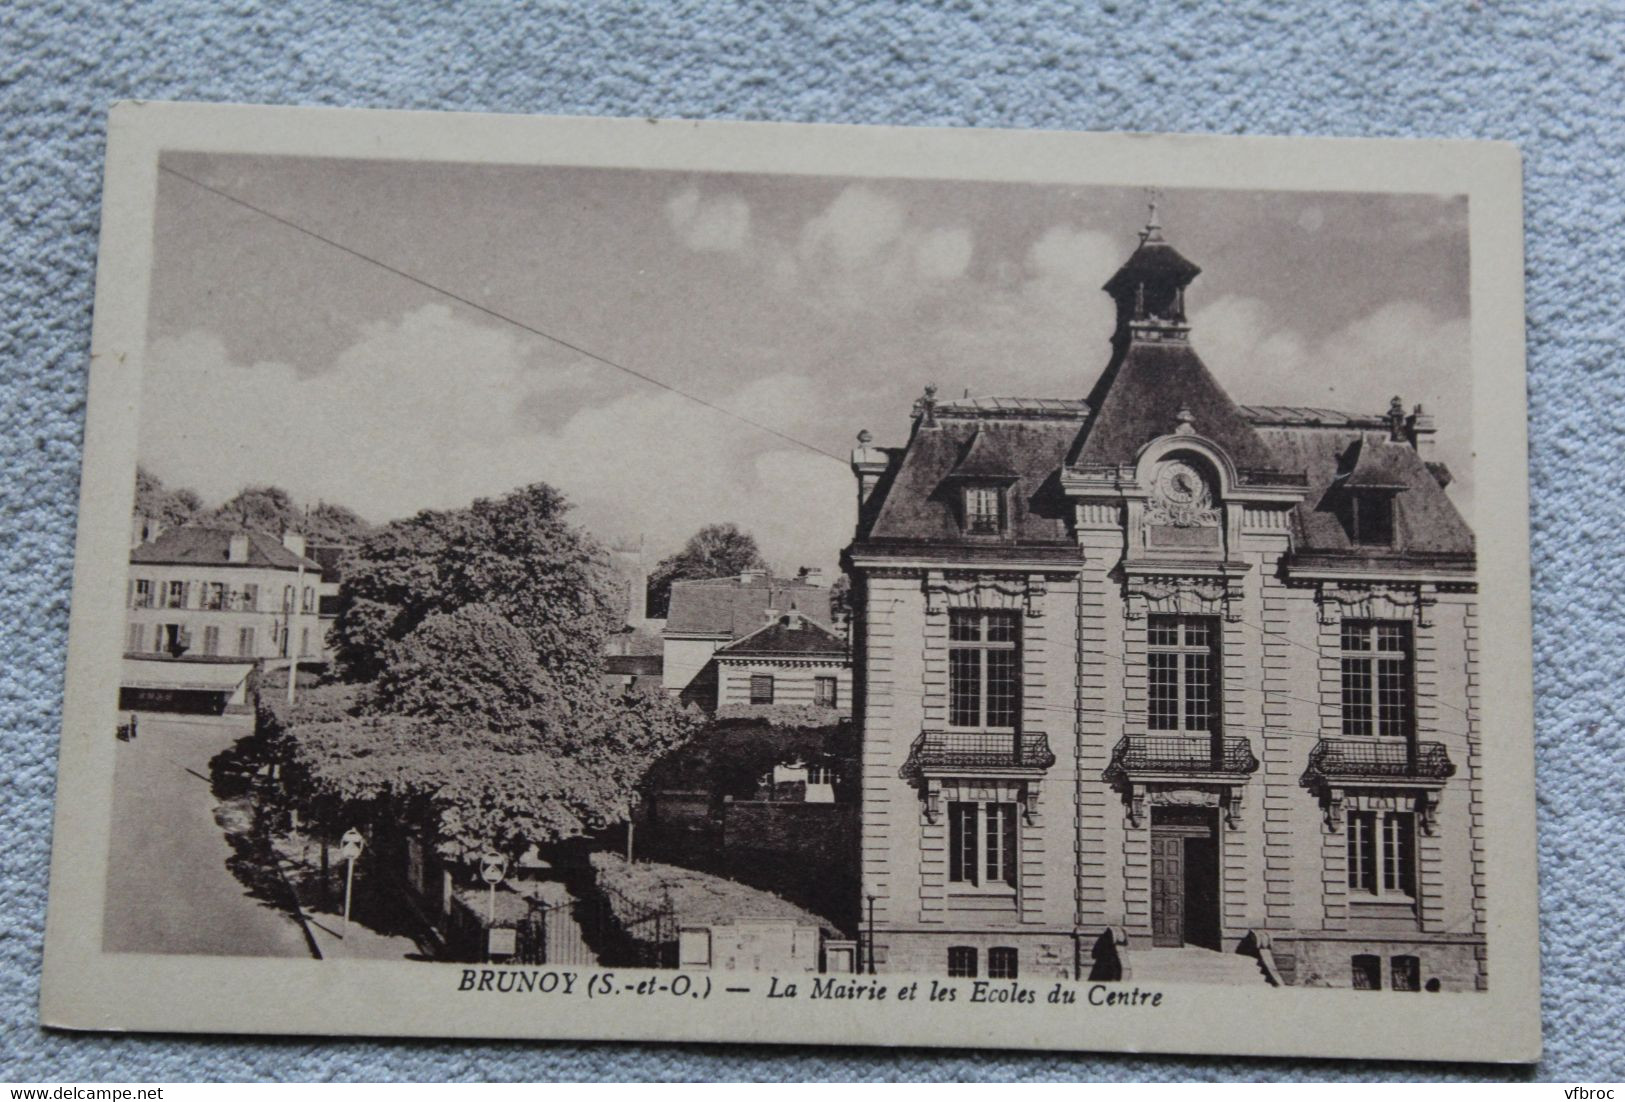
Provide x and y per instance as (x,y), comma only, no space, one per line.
(294,541)
(237,550)
(142,529)
(1420,429)
(868,464)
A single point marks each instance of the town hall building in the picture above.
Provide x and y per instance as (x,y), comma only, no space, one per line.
(1152,684)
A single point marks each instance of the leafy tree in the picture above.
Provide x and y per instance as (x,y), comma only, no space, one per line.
(271,509)
(516,554)
(267,509)
(729,757)
(715,551)
(567,773)
(467,664)
(170,508)
(330,523)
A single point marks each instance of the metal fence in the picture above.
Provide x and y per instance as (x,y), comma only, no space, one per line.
(604,928)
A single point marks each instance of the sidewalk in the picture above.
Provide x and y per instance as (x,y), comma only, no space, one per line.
(356,943)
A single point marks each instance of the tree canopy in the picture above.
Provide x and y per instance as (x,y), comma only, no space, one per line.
(715,551)
(568,770)
(170,508)
(517,555)
(272,510)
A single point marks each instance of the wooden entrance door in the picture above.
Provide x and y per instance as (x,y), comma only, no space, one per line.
(1167,887)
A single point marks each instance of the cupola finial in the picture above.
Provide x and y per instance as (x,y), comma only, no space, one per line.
(1153,227)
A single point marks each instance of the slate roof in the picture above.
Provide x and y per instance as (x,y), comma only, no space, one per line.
(1147,385)
(199,546)
(808,638)
(1426,522)
(732,608)
(918,500)
(1140,395)
(1155,259)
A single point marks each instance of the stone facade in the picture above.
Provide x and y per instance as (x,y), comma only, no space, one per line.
(1155,663)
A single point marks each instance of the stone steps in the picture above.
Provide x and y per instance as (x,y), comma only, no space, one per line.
(1194,965)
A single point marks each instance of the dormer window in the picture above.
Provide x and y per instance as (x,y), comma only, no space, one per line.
(984,510)
(1368,516)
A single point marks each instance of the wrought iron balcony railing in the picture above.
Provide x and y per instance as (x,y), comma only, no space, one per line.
(975,750)
(1346,760)
(1185,755)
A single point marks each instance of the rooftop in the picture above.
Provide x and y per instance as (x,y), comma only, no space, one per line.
(200,546)
(785,636)
(736,606)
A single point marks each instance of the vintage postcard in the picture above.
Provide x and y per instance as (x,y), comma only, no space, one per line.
(628,579)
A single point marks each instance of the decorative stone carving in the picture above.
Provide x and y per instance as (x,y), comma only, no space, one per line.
(1196,595)
(1181,497)
(985,591)
(1374,601)
(1225,797)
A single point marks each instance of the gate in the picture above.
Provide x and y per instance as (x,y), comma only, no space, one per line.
(586,932)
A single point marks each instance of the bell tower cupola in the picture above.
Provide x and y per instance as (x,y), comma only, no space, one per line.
(1149,289)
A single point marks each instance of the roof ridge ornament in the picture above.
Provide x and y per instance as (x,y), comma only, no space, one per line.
(925,406)
(1153,228)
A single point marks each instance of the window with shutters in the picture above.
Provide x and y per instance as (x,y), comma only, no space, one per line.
(824,692)
(245,642)
(1182,666)
(143,593)
(982,844)
(251,597)
(761,688)
(137,639)
(211,640)
(1376,673)
(984,669)
(214,595)
(177,595)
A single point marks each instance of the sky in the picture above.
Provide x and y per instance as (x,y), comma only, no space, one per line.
(814,306)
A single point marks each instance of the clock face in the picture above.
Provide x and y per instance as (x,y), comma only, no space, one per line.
(1179,483)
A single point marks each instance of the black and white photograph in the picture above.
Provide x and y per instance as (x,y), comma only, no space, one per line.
(942,596)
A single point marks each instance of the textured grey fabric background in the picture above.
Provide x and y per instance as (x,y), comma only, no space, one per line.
(1549,76)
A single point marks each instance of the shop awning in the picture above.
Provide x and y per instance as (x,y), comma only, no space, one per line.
(208,677)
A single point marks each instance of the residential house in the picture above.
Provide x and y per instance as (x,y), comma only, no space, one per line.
(707,614)
(206,606)
(1153,677)
(791,664)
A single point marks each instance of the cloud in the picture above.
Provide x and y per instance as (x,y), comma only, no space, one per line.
(943,254)
(433,411)
(1402,348)
(854,229)
(720,223)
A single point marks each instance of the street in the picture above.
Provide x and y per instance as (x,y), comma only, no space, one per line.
(169,886)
